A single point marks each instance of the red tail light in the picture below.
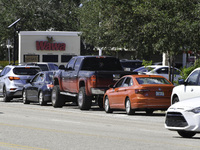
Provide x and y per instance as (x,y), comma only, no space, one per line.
(14,78)
(141,91)
(93,80)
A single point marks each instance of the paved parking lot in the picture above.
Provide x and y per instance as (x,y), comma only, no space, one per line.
(34,127)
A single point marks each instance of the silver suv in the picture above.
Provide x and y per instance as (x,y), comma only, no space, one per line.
(13,78)
(44,66)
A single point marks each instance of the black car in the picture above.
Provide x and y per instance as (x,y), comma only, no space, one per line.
(39,88)
(130,65)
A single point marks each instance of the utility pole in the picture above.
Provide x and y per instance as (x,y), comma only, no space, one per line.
(14,37)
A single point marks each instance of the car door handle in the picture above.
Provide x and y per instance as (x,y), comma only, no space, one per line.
(192,90)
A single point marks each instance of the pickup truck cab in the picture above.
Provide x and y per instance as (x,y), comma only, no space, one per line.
(84,79)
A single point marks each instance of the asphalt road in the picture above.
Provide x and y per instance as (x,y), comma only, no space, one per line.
(34,127)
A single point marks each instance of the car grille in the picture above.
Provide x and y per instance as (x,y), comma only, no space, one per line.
(174,119)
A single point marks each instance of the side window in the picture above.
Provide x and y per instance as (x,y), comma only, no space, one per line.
(128,82)
(162,71)
(40,78)
(77,64)
(71,63)
(192,79)
(119,83)
(176,71)
(3,72)
(36,78)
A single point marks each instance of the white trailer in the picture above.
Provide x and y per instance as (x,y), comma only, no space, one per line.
(48,46)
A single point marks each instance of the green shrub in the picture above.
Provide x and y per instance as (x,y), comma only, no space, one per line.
(186,71)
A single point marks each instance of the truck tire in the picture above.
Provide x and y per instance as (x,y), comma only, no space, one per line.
(56,98)
(84,101)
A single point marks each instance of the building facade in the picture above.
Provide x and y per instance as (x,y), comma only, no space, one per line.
(48,46)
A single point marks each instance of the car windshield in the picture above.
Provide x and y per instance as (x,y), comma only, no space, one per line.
(144,69)
(152,80)
(43,67)
(49,76)
(104,63)
(25,71)
(131,64)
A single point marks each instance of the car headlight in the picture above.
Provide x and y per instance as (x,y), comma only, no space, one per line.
(195,110)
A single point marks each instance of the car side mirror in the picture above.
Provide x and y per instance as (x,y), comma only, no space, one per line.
(181,81)
(28,81)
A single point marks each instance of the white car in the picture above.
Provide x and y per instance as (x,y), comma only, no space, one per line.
(158,70)
(184,117)
(190,88)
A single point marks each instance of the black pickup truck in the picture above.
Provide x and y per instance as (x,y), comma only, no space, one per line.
(86,78)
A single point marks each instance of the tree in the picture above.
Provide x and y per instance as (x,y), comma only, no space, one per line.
(147,26)
(38,15)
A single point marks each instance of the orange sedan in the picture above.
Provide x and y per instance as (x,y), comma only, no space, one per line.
(139,92)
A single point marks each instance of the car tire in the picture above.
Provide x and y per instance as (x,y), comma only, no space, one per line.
(41,99)
(56,98)
(84,101)
(6,98)
(175,100)
(186,134)
(24,97)
(129,110)
(107,105)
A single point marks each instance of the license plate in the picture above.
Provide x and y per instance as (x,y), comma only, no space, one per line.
(159,93)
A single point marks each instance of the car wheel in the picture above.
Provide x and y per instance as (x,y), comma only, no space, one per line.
(186,134)
(107,105)
(84,101)
(56,98)
(6,98)
(175,100)
(129,110)
(24,97)
(41,99)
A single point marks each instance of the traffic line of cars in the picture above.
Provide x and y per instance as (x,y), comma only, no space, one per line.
(130,93)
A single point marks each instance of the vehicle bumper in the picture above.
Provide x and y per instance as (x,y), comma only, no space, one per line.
(182,120)
(150,103)
(14,93)
(98,91)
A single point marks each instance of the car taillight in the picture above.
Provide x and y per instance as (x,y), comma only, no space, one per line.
(141,91)
(50,86)
(13,78)
(93,80)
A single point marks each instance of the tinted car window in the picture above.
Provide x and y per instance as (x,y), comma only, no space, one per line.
(77,64)
(5,71)
(144,69)
(71,63)
(43,67)
(25,71)
(152,81)
(49,76)
(119,83)
(128,82)
(53,67)
(36,78)
(192,80)
(97,63)
(162,71)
